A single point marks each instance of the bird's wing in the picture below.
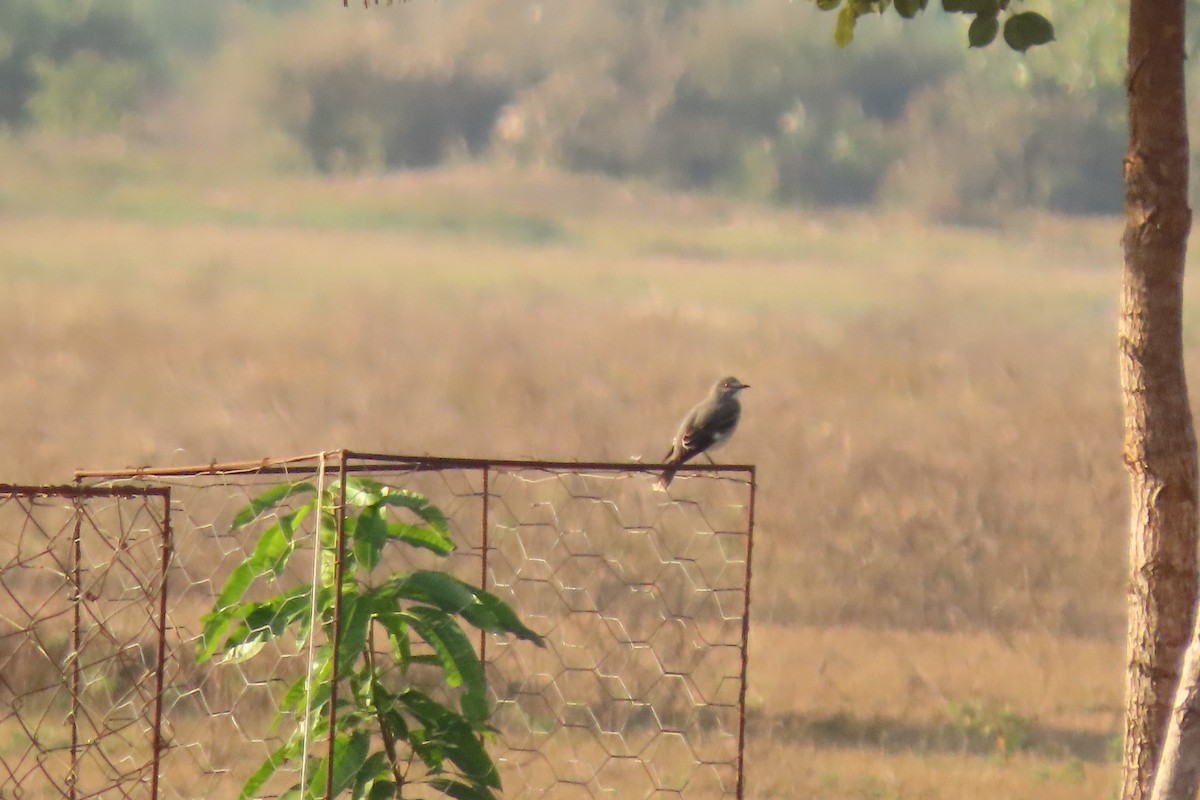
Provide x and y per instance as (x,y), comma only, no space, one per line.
(677,453)
(705,425)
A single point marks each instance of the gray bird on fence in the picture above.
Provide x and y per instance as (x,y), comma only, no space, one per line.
(707,426)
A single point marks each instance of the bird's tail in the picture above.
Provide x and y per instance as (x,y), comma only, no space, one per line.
(665,479)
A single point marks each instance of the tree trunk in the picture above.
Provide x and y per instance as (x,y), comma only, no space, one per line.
(1179,765)
(1160,442)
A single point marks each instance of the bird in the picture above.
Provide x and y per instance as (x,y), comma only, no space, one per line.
(707,426)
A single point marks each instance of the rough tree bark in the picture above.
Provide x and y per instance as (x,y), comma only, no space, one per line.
(1178,773)
(1160,442)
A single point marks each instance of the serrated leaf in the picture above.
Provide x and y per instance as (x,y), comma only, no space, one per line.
(269,499)
(983,31)
(1027,29)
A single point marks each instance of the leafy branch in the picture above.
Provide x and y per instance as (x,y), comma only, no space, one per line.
(1022,30)
(376,701)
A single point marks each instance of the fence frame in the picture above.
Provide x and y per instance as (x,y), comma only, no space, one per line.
(78,495)
(343,463)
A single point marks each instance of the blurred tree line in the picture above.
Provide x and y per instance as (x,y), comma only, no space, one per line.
(748,97)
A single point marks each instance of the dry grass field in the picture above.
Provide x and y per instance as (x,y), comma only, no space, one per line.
(940,552)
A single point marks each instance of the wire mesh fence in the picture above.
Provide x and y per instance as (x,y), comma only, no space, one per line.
(82,591)
(642,599)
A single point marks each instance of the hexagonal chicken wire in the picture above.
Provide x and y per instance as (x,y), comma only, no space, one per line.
(82,599)
(642,598)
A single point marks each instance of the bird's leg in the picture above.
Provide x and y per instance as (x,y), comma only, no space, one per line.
(710,459)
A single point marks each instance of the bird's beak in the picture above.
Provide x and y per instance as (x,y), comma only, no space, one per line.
(743,386)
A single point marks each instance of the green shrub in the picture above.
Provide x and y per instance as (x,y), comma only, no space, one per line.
(384,721)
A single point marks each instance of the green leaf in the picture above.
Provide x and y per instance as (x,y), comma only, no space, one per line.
(269,499)
(954,6)
(481,609)
(370,534)
(215,626)
(324,606)
(461,791)
(357,611)
(260,622)
(265,770)
(372,771)
(236,584)
(363,491)
(349,756)
(270,556)
(435,588)
(328,528)
(1027,29)
(828,5)
(464,748)
(316,779)
(429,712)
(294,700)
(421,536)
(419,505)
(329,553)
(398,635)
(383,790)
(458,657)
(244,651)
(492,608)
(386,707)
(985,8)
(909,8)
(843,32)
(983,30)
(448,735)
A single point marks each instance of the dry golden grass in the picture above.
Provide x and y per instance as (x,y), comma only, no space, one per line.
(934,413)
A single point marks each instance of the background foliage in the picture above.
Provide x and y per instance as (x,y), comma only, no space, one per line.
(746,97)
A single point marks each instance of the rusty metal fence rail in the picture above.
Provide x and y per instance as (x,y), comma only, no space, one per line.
(643,599)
